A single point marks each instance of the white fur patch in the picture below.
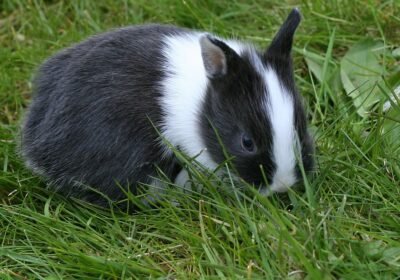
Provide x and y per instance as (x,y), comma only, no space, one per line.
(184,92)
(182,179)
(280,108)
(156,190)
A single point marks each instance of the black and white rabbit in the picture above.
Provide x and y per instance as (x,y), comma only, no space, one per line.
(96,107)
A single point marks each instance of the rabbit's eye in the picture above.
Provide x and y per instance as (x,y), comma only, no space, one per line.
(247,143)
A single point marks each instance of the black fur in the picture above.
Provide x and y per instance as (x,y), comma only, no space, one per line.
(234,106)
(278,57)
(89,121)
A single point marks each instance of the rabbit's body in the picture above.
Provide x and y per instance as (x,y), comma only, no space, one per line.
(77,130)
(97,107)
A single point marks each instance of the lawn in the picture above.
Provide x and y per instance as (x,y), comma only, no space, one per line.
(346,225)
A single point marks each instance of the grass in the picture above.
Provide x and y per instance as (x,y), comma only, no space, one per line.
(346,225)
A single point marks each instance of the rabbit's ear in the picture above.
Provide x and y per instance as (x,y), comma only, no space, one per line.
(217,56)
(282,43)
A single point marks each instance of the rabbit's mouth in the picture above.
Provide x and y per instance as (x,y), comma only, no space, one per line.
(275,188)
(281,187)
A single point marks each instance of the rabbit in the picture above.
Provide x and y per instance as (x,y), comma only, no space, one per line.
(103,109)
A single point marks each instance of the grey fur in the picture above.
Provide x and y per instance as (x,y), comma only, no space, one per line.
(89,121)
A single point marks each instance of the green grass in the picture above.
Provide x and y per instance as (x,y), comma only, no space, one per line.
(345,226)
